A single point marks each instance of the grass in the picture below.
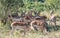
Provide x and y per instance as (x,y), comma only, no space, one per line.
(6,34)
(53,33)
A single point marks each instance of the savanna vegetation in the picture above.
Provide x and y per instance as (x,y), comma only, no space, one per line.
(18,6)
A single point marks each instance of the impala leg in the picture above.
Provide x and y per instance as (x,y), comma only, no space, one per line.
(55,23)
(24,32)
(50,22)
(45,30)
(31,26)
(13,29)
(11,32)
(55,26)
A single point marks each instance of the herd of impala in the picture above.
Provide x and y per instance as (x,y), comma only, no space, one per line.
(28,22)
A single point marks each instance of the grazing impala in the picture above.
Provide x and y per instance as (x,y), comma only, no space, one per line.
(39,24)
(52,19)
(20,25)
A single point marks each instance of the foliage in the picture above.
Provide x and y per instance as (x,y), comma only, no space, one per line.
(38,5)
(52,4)
(11,6)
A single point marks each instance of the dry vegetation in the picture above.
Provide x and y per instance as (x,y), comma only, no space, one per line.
(54,33)
(12,6)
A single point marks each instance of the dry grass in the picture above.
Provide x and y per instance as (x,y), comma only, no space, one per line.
(5,33)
